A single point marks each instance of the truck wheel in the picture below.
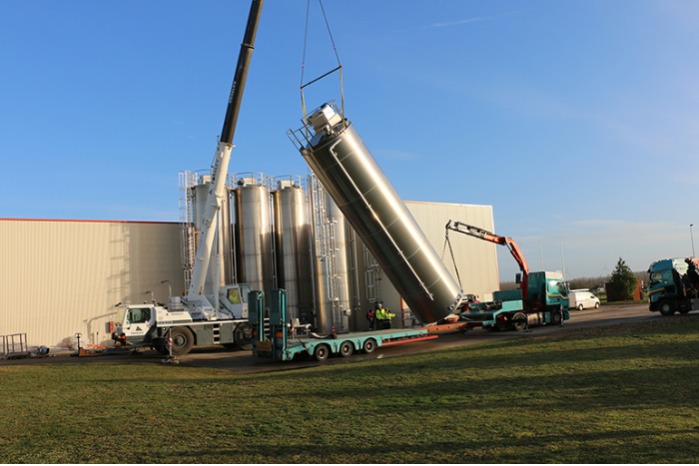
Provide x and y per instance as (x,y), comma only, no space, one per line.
(369,346)
(346,349)
(519,321)
(667,309)
(182,340)
(556,318)
(322,352)
(580,307)
(243,336)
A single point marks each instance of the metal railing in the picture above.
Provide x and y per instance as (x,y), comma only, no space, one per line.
(14,344)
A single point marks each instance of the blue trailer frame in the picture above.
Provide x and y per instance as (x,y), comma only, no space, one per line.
(281,341)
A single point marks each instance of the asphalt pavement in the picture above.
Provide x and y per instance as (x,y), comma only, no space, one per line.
(242,362)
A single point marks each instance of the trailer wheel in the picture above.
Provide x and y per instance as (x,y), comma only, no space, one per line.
(182,340)
(346,349)
(369,346)
(322,352)
(243,336)
(667,309)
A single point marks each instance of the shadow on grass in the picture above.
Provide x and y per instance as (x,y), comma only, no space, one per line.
(678,446)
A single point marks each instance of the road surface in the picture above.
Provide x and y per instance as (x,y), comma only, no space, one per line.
(242,362)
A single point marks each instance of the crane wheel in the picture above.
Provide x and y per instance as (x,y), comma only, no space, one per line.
(182,340)
(161,346)
(242,335)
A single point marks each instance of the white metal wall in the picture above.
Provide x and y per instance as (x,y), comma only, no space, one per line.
(59,278)
(476,259)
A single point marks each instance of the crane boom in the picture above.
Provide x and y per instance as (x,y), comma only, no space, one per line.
(485,235)
(219,167)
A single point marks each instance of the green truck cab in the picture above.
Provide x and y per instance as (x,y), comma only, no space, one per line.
(673,285)
(546,304)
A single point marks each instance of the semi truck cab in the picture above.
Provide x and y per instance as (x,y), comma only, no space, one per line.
(673,285)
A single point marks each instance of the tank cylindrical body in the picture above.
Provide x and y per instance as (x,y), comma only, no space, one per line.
(338,274)
(330,253)
(348,171)
(199,196)
(292,239)
(254,234)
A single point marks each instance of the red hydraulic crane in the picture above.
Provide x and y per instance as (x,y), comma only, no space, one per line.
(493,238)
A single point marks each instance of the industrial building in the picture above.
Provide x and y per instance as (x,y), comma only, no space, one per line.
(67,277)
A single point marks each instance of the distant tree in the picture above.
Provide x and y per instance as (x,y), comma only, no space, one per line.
(622,283)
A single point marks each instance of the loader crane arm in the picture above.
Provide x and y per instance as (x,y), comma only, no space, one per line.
(485,235)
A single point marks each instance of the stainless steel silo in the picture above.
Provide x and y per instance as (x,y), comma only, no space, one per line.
(293,242)
(198,192)
(343,163)
(330,253)
(195,189)
(255,258)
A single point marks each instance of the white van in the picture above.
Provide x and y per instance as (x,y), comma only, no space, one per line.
(582,299)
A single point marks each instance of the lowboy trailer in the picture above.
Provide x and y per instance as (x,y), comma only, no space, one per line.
(282,340)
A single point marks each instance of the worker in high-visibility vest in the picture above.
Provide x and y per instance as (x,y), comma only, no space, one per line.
(383,316)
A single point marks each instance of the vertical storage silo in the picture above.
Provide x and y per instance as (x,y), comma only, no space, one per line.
(330,259)
(255,256)
(293,242)
(199,187)
(346,168)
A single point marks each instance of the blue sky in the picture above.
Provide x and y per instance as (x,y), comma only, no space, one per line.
(577,121)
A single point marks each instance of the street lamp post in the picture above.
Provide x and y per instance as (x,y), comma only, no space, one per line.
(691,235)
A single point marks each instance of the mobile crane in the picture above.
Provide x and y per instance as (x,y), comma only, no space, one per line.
(200,318)
(541,300)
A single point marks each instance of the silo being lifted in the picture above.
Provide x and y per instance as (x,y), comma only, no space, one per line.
(343,163)
(293,244)
(255,256)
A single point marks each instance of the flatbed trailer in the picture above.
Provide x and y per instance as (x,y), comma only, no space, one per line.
(282,341)
(346,344)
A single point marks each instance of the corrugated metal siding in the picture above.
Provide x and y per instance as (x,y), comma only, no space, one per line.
(60,278)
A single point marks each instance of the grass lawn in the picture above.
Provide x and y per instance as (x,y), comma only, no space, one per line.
(613,395)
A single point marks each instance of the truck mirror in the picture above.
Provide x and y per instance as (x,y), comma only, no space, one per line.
(518,278)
